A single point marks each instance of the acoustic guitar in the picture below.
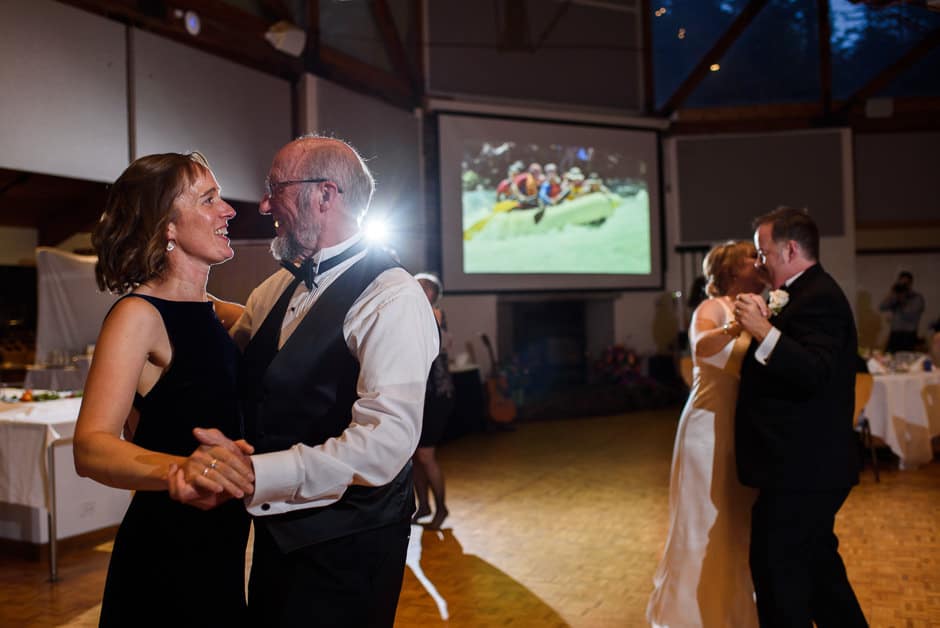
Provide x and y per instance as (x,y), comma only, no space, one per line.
(502,409)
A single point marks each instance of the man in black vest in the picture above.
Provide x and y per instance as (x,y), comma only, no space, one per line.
(336,358)
(793,428)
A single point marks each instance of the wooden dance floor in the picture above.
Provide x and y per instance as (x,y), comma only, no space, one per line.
(560,523)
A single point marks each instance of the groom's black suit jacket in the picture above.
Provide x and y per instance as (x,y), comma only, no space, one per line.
(793,426)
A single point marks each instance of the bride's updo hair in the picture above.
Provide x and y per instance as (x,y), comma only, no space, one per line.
(130,238)
(721,263)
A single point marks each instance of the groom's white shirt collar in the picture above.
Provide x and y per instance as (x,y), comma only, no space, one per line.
(789,282)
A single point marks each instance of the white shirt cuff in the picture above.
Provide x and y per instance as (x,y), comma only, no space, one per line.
(278,477)
(767,346)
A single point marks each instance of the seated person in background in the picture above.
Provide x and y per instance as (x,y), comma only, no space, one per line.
(504,189)
(594,183)
(550,192)
(906,307)
(525,187)
(573,184)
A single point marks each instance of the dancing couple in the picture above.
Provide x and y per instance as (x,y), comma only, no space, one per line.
(312,434)
(765,453)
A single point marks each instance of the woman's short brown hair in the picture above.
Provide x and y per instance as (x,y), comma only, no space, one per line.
(130,238)
(720,265)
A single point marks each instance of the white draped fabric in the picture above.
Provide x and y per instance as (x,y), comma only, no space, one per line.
(71,308)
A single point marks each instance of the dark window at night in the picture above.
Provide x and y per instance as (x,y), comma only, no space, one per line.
(776,58)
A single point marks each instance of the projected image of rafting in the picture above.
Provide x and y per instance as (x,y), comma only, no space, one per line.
(542,219)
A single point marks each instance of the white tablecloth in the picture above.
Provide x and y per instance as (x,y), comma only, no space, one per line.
(904,411)
(55,378)
(25,431)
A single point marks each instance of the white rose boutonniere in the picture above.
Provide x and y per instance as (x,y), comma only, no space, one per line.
(777,300)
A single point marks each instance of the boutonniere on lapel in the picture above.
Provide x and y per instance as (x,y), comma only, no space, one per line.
(777,300)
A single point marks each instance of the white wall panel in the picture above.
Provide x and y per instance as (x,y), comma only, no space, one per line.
(186,99)
(64,107)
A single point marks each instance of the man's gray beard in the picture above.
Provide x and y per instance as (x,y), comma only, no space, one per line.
(284,249)
(287,248)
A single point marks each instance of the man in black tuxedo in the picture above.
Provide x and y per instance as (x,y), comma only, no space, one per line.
(793,428)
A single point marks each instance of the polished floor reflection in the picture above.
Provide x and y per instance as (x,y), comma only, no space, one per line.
(560,523)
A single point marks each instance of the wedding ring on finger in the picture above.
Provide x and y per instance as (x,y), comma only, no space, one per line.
(214,463)
(205,472)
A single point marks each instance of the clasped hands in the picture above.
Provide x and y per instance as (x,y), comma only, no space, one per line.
(751,313)
(218,470)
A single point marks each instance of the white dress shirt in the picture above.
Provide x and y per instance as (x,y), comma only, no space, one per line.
(769,343)
(391,331)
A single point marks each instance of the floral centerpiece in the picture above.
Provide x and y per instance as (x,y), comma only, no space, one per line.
(617,365)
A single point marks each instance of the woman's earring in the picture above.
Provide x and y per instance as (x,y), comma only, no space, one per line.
(170,245)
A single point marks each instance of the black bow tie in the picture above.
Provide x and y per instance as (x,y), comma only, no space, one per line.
(309,270)
(304,272)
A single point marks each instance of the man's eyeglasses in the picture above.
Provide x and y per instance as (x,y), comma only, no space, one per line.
(271,188)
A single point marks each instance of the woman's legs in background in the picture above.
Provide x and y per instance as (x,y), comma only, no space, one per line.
(428,474)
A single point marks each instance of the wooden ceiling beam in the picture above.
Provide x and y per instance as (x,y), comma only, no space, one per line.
(81,215)
(347,70)
(825,55)
(720,47)
(910,114)
(560,11)
(649,84)
(417,11)
(394,47)
(312,51)
(278,9)
(226,31)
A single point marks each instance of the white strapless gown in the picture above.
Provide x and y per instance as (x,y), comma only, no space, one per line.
(703,579)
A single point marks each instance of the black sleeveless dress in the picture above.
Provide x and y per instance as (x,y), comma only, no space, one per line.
(439,400)
(173,564)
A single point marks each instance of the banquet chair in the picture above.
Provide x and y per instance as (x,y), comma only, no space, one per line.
(864,383)
(685,370)
(931,397)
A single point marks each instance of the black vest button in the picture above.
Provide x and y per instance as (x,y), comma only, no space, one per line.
(265,506)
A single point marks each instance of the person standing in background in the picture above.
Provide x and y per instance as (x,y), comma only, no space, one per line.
(438,406)
(906,308)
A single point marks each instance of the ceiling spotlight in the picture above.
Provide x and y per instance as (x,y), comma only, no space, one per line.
(714,67)
(191,21)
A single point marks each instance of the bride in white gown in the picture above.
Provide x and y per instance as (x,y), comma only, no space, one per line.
(703,578)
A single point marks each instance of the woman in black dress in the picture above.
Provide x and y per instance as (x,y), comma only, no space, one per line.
(438,405)
(164,364)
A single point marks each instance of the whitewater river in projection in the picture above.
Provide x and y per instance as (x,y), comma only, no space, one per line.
(620,245)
